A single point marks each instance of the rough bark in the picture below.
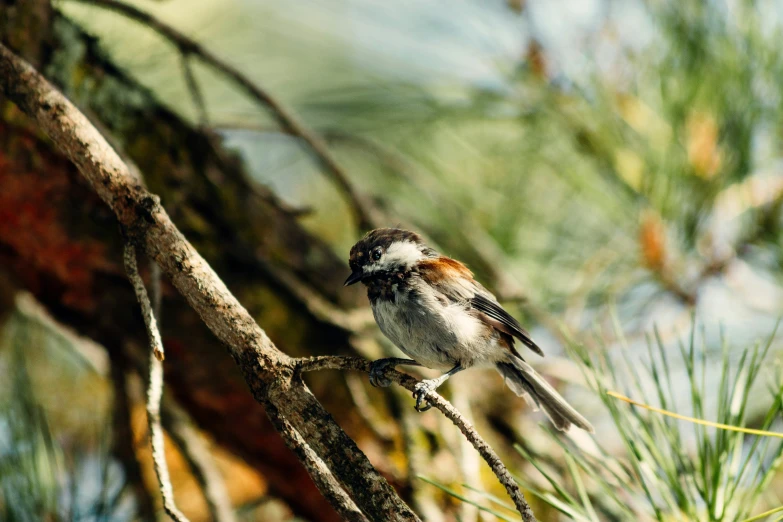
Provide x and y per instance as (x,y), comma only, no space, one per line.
(433,398)
(268,372)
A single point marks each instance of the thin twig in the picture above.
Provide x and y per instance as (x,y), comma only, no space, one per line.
(155,387)
(409,383)
(196,93)
(180,428)
(366,214)
(144,301)
(765,514)
(156,292)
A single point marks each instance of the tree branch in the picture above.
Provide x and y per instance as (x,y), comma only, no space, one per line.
(316,467)
(268,372)
(154,388)
(195,90)
(366,215)
(180,428)
(329,362)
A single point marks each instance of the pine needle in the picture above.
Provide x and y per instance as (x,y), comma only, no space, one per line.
(764,514)
(694,420)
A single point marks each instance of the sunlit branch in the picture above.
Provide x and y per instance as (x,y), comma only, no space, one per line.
(154,388)
(467,429)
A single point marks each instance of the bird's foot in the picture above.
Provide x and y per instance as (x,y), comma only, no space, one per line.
(377,370)
(421,391)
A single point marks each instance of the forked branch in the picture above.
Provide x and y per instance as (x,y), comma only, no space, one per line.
(154,388)
(409,383)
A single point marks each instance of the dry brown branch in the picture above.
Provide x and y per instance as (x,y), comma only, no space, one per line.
(180,428)
(318,469)
(409,383)
(154,388)
(268,372)
(150,322)
(365,213)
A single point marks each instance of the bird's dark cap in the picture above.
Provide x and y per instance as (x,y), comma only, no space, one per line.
(380,237)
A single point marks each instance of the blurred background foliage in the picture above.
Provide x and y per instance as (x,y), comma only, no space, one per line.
(654,124)
(605,166)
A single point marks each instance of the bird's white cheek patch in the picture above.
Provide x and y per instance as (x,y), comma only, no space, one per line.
(405,253)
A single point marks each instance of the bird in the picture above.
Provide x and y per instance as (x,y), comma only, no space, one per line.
(431,307)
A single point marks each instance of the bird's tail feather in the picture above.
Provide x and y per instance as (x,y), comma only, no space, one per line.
(526,382)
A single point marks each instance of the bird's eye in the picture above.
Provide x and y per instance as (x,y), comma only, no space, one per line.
(376,254)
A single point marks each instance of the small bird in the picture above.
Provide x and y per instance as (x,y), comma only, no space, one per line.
(433,310)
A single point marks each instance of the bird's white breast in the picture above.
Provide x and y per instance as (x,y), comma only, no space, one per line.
(435,332)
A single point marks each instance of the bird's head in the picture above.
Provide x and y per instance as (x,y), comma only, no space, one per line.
(386,251)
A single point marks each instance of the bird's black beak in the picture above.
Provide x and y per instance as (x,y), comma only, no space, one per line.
(354,278)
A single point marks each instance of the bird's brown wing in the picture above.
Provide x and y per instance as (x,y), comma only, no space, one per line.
(494,315)
(455,282)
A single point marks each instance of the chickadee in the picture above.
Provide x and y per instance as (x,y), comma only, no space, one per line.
(431,307)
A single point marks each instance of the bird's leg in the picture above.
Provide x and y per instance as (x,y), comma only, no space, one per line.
(426,386)
(377,368)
